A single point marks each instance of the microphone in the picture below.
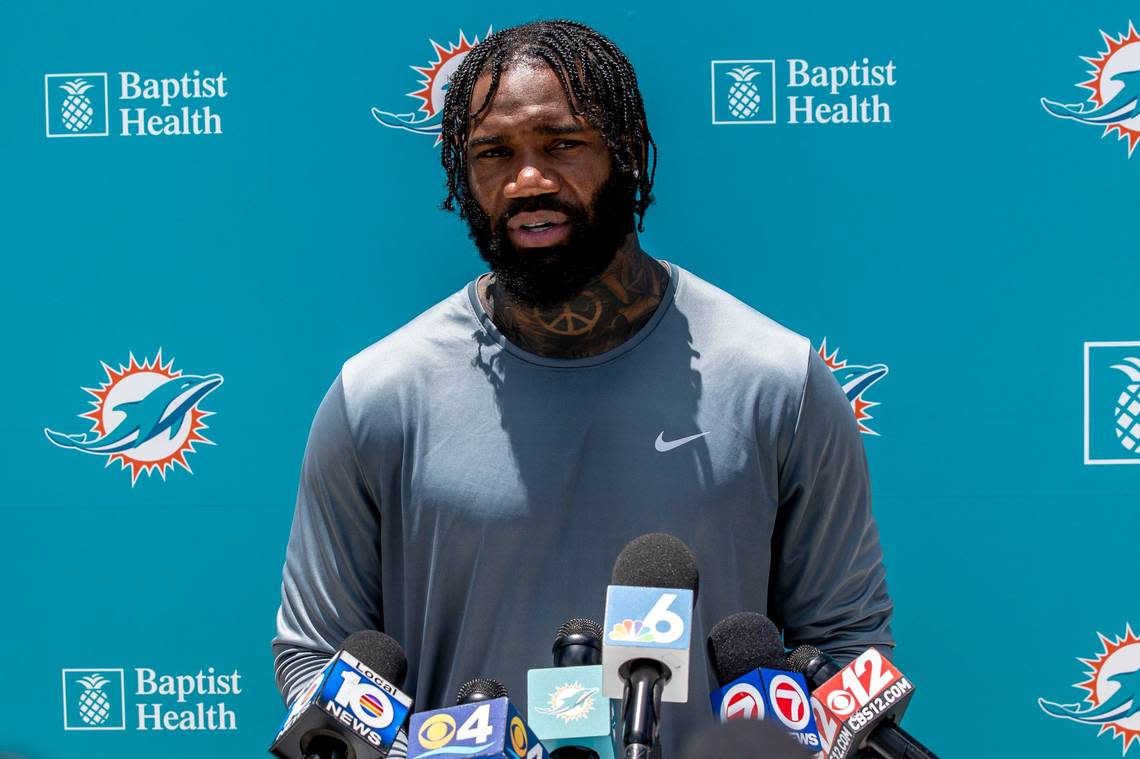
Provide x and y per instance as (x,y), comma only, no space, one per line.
(483,723)
(859,706)
(648,625)
(746,656)
(351,707)
(743,738)
(565,705)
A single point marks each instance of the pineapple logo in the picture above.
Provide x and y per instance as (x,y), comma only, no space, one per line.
(744,92)
(1112,403)
(76,111)
(76,105)
(1128,406)
(93,699)
(436,77)
(743,97)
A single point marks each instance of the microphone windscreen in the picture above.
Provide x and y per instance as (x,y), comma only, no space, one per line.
(579,628)
(656,560)
(799,659)
(744,738)
(480,689)
(380,653)
(743,642)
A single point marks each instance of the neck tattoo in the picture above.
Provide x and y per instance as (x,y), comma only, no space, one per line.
(609,310)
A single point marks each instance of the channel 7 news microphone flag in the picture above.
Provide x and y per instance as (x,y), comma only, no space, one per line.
(215,205)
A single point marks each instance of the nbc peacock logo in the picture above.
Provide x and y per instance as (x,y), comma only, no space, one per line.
(1113,86)
(427,118)
(146,416)
(76,105)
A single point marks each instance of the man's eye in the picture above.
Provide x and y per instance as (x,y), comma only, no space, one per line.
(492,153)
(566,144)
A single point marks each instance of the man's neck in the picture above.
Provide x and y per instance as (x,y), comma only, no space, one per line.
(610,309)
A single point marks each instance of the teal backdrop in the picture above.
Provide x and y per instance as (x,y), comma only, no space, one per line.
(973,244)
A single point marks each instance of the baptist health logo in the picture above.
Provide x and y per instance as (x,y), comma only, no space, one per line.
(427,118)
(744,92)
(145,416)
(1113,101)
(96,699)
(1111,688)
(93,699)
(1112,403)
(78,105)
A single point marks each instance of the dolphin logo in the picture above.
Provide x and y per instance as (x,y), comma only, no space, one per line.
(408,122)
(162,410)
(566,700)
(1122,106)
(1123,703)
(856,380)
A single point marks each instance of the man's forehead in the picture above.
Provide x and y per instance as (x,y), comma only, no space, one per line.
(528,97)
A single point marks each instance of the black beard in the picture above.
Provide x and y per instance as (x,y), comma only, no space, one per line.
(544,277)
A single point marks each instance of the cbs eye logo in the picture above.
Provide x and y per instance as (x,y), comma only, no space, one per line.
(436,731)
(518,736)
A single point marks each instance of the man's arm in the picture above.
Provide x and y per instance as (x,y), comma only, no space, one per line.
(827,585)
(331,581)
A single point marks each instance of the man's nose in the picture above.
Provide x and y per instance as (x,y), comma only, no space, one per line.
(528,182)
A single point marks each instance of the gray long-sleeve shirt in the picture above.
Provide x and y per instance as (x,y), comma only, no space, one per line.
(468,497)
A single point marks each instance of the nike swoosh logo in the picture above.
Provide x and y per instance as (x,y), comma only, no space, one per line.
(661,445)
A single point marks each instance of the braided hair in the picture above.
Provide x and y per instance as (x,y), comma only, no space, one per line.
(599,84)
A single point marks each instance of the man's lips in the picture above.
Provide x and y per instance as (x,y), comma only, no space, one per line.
(538,229)
(535,219)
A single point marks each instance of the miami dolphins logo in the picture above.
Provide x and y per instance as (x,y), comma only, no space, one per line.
(570,702)
(1114,87)
(146,417)
(1112,686)
(856,380)
(428,118)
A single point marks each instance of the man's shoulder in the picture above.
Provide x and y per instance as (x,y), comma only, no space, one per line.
(410,353)
(726,326)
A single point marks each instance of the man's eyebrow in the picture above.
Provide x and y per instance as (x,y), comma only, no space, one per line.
(571,127)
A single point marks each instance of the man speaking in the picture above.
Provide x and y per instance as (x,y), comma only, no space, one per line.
(470,478)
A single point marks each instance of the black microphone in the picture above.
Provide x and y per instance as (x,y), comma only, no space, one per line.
(483,723)
(746,658)
(645,657)
(480,689)
(886,739)
(741,643)
(578,643)
(742,738)
(565,706)
(353,707)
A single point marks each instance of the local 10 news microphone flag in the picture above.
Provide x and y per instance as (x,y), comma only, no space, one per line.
(648,626)
(858,706)
(352,707)
(746,656)
(565,705)
(483,724)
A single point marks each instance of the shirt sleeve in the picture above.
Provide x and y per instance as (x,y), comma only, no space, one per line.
(827,582)
(330,585)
